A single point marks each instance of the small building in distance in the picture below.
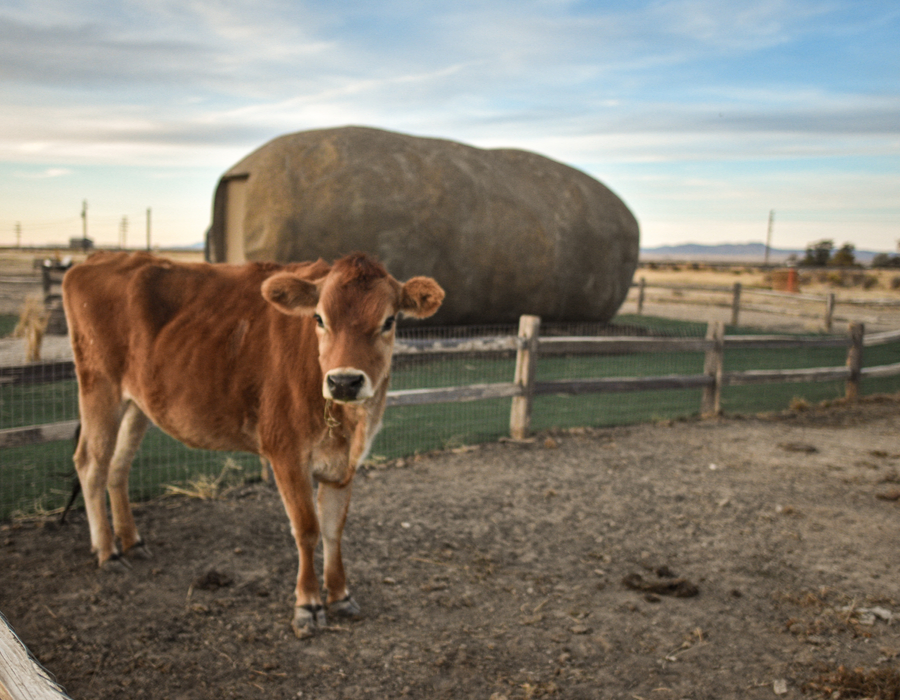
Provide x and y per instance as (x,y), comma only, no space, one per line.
(82,244)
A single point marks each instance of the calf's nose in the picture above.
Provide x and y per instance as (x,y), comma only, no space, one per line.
(345,387)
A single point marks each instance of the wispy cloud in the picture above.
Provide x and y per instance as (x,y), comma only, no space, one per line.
(604,86)
(44,174)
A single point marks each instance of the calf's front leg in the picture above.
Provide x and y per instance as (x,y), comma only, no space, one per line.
(296,491)
(333,502)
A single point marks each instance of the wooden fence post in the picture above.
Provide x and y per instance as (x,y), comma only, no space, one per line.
(829,311)
(640,299)
(736,304)
(711,404)
(854,359)
(21,677)
(526,365)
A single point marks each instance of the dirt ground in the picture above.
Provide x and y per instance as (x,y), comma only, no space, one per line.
(732,558)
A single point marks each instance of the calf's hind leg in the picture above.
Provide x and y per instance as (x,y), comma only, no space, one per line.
(101,415)
(131,431)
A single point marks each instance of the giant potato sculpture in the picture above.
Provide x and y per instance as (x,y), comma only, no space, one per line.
(505,232)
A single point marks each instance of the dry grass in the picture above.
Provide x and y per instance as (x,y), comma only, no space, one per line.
(206,487)
(32,325)
(798,403)
(701,275)
(875,684)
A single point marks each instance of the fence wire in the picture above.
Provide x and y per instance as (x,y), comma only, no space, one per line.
(36,479)
(598,410)
(407,430)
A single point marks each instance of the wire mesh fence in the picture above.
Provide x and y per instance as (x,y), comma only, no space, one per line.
(39,478)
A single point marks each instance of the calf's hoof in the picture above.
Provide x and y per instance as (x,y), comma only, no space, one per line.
(346,609)
(116,564)
(308,618)
(139,550)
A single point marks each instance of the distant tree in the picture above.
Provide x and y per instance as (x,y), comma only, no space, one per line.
(886,260)
(818,254)
(843,257)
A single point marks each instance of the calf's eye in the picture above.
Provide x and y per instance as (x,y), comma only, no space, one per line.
(388,324)
(318,319)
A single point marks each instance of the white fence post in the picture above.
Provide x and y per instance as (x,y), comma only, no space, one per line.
(526,365)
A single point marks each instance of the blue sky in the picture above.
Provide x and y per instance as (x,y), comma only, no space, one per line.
(703,115)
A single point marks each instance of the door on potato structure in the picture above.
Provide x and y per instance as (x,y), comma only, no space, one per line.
(235,210)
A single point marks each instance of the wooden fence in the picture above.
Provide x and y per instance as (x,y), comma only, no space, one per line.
(529,347)
(738,294)
(21,677)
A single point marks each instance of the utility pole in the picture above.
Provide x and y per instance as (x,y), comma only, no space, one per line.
(83,222)
(769,236)
(18,234)
(148,228)
(123,233)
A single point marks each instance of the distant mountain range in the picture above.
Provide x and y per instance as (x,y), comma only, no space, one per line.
(732,252)
(696,252)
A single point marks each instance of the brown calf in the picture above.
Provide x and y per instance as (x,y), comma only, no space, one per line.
(289,362)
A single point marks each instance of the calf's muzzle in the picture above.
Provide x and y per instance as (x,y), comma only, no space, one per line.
(344,385)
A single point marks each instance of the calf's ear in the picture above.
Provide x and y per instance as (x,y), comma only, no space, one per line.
(290,294)
(421,297)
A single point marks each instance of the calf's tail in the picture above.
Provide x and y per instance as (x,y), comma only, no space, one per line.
(76,482)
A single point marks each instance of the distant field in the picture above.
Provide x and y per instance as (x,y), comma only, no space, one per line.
(20,272)
(883,283)
(19,265)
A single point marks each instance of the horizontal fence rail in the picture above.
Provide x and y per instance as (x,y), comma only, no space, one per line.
(38,434)
(881,338)
(37,373)
(473,392)
(575,387)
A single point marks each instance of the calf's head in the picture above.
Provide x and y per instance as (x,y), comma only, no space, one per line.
(355,308)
